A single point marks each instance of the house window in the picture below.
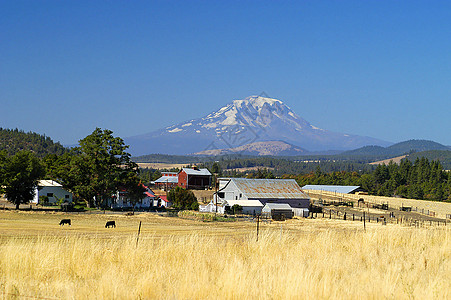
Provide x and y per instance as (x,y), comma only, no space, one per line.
(236,197)
(66,196)
(49,194)
(240,195)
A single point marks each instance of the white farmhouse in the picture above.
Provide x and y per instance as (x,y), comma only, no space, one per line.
(52,191)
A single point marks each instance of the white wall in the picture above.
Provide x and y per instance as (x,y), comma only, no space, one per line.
(57,191)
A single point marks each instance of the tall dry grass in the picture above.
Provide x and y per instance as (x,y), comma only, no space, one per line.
(385,262)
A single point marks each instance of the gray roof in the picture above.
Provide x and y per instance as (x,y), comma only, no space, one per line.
(167,179)
(344,189)
(277,206)
(197,172)
(270,188)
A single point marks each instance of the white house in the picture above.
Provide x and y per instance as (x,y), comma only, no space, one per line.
(51,191)
(264,190)
(162,200)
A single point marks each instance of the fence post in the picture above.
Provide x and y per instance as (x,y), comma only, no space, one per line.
(258,221)
(139,231)
(364,225)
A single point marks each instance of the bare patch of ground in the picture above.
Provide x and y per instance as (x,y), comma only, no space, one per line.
(396,160)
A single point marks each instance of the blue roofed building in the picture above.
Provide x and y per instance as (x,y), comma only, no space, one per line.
(342,189)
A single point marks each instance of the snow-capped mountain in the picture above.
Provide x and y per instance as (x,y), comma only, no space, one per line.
(254,119)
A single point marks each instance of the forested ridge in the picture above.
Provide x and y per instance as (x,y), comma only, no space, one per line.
(15,140)
(421,179)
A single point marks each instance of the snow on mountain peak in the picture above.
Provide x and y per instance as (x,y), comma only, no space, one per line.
(246,121)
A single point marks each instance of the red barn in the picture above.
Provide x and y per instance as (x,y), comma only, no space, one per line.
(194,178)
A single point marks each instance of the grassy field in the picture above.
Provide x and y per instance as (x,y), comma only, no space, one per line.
(186,259)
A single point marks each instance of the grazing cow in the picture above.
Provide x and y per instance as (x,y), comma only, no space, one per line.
(110,224)
(65,221)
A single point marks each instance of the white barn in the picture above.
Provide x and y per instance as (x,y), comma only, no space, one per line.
(264,190)
(52,191)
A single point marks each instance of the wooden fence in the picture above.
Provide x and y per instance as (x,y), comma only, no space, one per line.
(329,213)
(430,208)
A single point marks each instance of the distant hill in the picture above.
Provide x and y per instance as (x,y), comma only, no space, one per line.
(444,156)
(273,148)
(15,140)
(398,149)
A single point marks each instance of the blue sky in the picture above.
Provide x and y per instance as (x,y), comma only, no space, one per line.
(373,68)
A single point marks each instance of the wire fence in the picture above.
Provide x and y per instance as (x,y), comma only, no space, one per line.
(383,219)
(428,208)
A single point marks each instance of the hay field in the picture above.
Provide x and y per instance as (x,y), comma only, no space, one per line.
(187,259)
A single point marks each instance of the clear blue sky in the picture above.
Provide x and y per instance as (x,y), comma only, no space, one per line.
(374,68)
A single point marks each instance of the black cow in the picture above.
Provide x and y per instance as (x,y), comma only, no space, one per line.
(65,221)
(110,224)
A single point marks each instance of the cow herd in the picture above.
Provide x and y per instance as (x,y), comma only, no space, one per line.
(107,225)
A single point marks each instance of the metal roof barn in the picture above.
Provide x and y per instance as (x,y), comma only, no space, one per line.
(264,190)
(270,188)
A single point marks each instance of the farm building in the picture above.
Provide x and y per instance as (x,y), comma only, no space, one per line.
(194,178)
(162,200)
(264,190)
(50,191)
(250,207)
(212,207)
(167,181)
(121,200)
(186,178)
(277,211)
(343,189)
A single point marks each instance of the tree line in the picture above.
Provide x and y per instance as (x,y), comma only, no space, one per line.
(15,140)
(421,179)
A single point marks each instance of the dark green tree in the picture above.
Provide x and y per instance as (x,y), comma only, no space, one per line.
(183,199)
(20,174)
(99,166)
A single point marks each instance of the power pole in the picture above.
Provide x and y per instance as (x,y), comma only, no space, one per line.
(216,194)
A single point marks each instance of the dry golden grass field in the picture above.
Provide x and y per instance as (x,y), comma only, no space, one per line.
(187,259)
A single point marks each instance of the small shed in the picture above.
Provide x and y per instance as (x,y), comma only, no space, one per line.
(277,211)
(250,207)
